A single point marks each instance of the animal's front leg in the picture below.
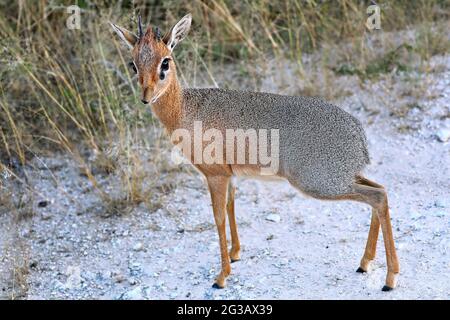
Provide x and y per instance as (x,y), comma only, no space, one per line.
(235,244)
(218,188)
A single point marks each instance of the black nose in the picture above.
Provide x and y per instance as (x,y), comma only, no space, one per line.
(144,101)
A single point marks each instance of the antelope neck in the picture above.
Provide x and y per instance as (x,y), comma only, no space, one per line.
(168,108)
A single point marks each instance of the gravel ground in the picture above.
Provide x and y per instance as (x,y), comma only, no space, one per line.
(70,246)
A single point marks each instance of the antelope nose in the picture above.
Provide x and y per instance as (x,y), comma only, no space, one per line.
(144,101)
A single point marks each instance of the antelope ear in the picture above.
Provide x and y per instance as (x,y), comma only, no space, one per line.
(178,32)
(128,37)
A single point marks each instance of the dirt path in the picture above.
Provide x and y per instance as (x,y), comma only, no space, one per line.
(71,249)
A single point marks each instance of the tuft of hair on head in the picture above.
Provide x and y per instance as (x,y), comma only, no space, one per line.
(157,34)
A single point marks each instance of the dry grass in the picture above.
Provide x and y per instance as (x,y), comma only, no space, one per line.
(14,259)
(72,91)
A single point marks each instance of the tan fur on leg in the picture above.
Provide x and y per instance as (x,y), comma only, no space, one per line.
(218,188)
(377,198)
(235,244)
(371,245)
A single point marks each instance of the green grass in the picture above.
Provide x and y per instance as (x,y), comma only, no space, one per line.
(388,62)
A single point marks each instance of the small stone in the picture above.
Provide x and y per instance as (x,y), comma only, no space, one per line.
(417,215)
(271,237)
(45,216)
(73,277)
(135,265)
(135,294)
(119,278)
(138,246)
(273,217)
(440,214)
(42,204)
(443,135)
(439,203)
(401,245)
(173,295)
(283,261)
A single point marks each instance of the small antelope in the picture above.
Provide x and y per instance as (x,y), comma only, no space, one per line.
(322,149)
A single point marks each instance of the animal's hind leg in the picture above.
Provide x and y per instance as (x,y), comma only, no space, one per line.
(377,198)
(235,244)
(367,182)
(371,245)
(364,190)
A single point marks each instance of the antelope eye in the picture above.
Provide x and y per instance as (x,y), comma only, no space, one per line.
(133,66)
(165,64)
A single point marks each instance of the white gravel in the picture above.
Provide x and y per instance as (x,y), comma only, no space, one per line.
(292,247)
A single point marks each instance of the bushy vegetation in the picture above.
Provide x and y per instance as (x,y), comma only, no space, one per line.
(72,90)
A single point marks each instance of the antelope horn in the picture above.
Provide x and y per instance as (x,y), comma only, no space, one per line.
(141,34)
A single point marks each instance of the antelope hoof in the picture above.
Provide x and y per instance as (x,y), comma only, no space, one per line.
(361,270)
(391,281)
(221,281)
(235,255)
(217,286)
(364,265)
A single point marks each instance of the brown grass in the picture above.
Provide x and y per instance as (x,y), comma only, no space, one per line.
(71,90)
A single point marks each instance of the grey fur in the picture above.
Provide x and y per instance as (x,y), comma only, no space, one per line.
(146,55)
(322,147)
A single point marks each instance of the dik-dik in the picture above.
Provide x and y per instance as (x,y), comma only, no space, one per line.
(322,149)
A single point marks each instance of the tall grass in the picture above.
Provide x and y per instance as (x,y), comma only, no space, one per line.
(72,91)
